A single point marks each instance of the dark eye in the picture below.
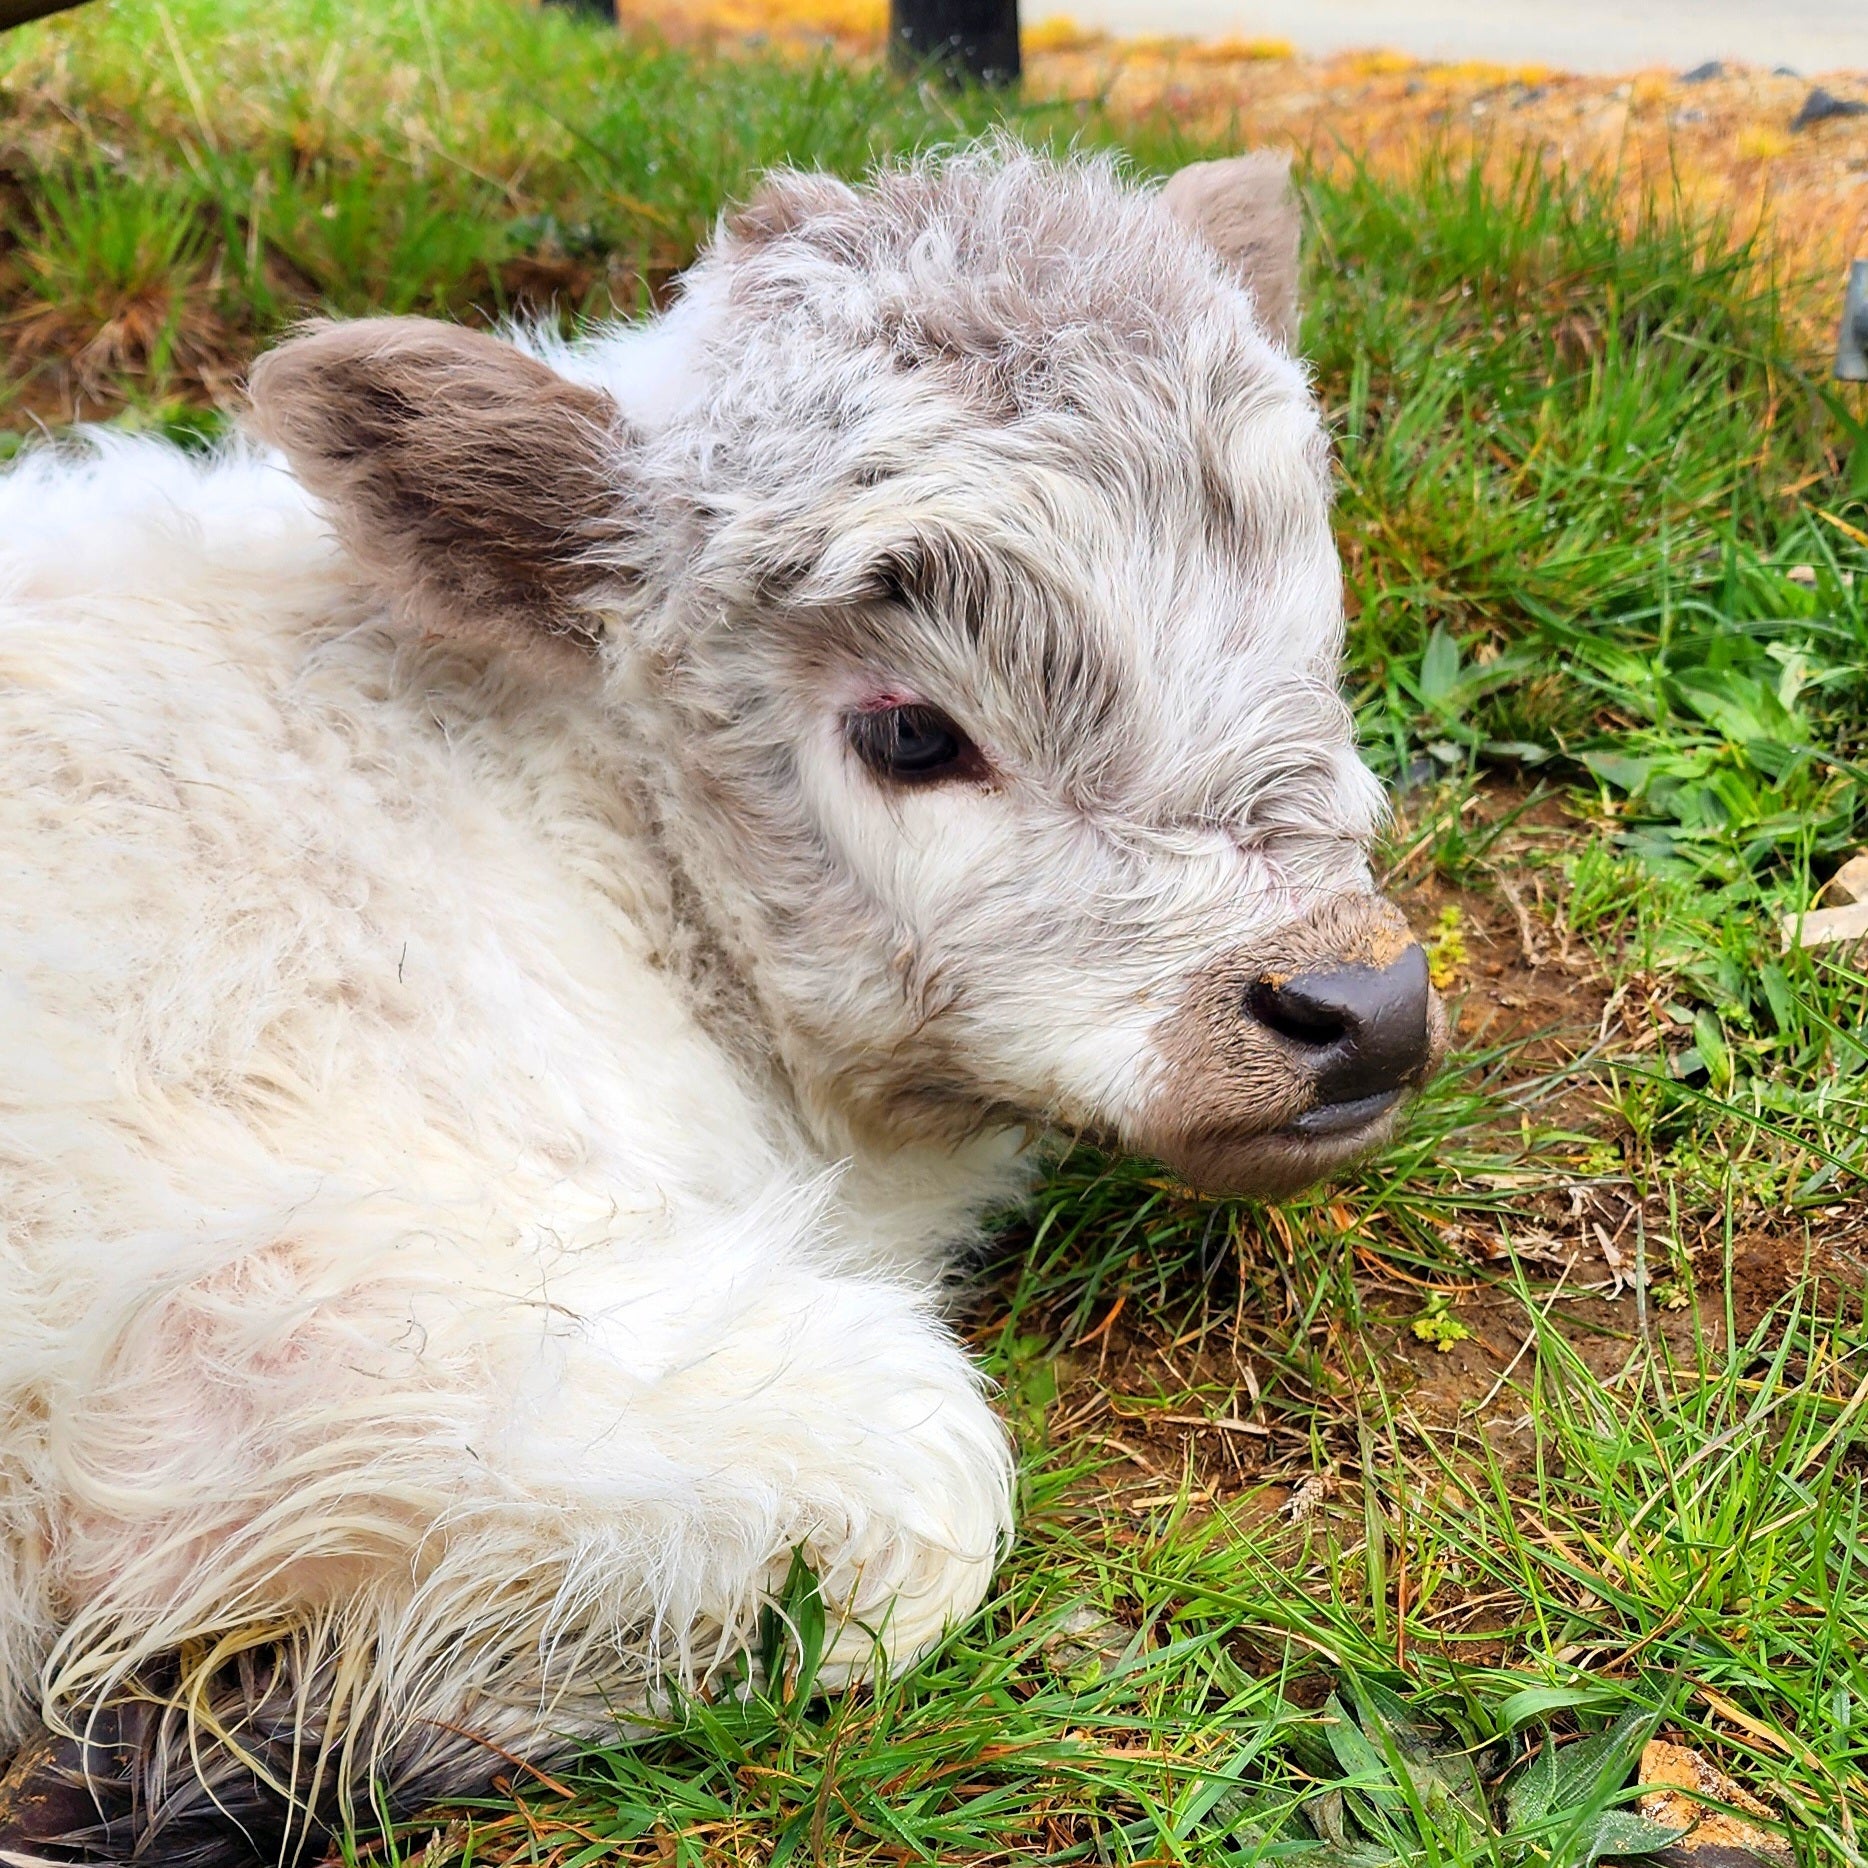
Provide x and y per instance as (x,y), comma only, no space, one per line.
(913,745)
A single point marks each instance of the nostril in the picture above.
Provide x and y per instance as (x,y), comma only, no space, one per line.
(1294,1010)
(1364,1031)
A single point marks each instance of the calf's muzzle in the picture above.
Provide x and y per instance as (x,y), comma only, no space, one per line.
(1363,1033)
(1287,1059)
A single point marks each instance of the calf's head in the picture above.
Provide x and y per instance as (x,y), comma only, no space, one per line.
(955,563)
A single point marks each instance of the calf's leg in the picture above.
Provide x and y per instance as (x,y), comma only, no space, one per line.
(595,1496)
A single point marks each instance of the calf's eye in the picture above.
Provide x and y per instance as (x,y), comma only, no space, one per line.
(913,745)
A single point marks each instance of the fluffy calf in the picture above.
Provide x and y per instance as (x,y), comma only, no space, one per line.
(540,907)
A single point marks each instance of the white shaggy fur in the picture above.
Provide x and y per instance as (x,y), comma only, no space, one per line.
(481,1137)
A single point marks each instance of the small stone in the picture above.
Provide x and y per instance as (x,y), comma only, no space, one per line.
(1703,74)
(1820,106)
(1804,574)
(1850,882)
(1785,71)
(1674,1779)
(1827,927)
(1087,1643)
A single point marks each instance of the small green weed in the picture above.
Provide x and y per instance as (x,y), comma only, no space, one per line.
(1438,1326)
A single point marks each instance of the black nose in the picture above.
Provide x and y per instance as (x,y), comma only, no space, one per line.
(1363,1030)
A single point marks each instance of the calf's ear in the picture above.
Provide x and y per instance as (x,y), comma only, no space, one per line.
(483,492)
(1244,209)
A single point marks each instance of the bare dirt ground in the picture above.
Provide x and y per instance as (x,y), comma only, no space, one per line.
(1581,35)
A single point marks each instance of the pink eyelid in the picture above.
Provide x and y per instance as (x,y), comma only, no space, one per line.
(884,700)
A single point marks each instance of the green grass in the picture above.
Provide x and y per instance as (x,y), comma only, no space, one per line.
(1385,1526)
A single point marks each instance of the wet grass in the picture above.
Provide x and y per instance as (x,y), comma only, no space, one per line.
(1350,1523)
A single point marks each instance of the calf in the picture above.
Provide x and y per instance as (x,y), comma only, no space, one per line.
(544,898)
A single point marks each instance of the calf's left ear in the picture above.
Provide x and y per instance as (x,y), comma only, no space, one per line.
(1244,209)
(483,492)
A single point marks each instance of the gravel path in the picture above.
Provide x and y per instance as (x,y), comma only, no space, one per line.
(1573,35)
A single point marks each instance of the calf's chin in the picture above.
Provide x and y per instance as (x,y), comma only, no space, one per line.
(1224,1163)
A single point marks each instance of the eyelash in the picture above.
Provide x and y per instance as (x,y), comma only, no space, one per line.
(913,745)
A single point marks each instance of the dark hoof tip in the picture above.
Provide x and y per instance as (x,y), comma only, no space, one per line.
(46,1806)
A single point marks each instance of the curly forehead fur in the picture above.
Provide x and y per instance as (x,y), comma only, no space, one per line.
(1028,397)
(1025,269)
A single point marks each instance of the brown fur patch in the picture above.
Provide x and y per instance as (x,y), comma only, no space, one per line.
(222,1769)
(785,202)
(1244,210)
(477,486)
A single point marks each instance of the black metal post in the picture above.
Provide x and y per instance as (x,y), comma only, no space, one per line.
(597,11)
(962,39)
(18,12)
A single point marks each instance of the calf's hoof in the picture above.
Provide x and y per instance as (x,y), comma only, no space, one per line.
(70,1801)
(49,1812)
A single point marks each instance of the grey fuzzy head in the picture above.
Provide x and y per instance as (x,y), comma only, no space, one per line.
(978,646)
